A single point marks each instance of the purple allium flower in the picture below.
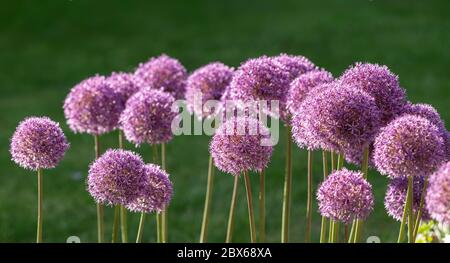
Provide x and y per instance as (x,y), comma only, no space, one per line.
(356,155)
(336,118)
(261,79)
(210,81)
(126,84)
(394,200)
(241,144)
(409,146)
(430,113)
(438,194)
(115,177)
(92,106)
(164,73)
(148,116)
(345,195)
(155,193)
(38,143)
(294,65)
(301,86)
(380,83)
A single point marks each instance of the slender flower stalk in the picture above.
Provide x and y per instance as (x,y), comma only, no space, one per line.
(123,211)
(262,208)
(164,214)
(206,211)
(39,212)
(158,215)
(309,198)
(141,228)
(333,161)
(406,210)
(323,228)
(421,207)
(334,224)
(287,189)
(232,209)
(115,232)
(365,170)
(409,205)
(251,216)
(100,212)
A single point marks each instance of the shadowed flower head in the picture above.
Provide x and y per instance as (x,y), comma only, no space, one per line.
(336,118)
(93,107)
(38,143)
(409,146)
(301,86)
(116,177)
(155,193)
(239,145)
(355,156)
(210,81)
(438,194)
(148,116)
(163,73)
(345,195)
(126,84)
(379,82)
(394,200)
(294,65)
(261,79)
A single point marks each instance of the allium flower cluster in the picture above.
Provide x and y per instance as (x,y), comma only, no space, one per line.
(155,193)
(294,65)
(148,117)
(163,73)
(395,198)
(38,143)
(345,195)
(438,194)
(241,144)
(115,177)
(210,82)
(409,146)
(126,84)
(302,85)
(379,82)
(93,107)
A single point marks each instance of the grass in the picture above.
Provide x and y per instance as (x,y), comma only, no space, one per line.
(48,46)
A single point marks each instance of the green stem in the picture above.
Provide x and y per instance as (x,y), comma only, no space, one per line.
(351,237)
(39,210)
(141,228)
(158,228)
(419,212)
(401,233)
(262,208)
(165,213)
(287,189)
(251,216)
(309,199)
(409,201)
(115,232)
(330,233)
(123,224)
(333,161)
(206,210)
(232,209)
(335,231)
(121,145)
(323,228)
(100,228)
(365,171)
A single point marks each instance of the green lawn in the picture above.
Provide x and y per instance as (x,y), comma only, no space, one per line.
(48,46)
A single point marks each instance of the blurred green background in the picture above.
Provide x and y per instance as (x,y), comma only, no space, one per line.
(49,46)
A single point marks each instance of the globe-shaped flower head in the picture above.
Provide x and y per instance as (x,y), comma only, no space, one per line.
(409,146)
(345,195)
(126,84)
(336,118)
(261,79)
(163,73)
(294,65)
(148,116)
(209,82)
(155,193)
(301,86)
(438,194)
(241,144)
(93,107)
(116,177)
(38,143)
(379,82)
(394,200)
